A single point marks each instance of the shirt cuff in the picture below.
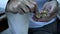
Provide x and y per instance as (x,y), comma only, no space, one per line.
(3,4)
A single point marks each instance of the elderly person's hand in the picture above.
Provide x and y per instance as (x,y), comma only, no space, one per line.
(52,9)
(21,6)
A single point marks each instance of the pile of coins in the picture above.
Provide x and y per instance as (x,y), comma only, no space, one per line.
(41,15)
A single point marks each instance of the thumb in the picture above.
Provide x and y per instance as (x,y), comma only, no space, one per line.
(52,9)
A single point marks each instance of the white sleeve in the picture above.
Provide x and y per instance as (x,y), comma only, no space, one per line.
(3,5)
(58,2)
(58,15)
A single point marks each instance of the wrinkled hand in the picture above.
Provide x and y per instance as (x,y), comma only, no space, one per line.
(52,9)
(21,6)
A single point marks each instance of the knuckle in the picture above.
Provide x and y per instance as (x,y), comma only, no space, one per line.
(11,9)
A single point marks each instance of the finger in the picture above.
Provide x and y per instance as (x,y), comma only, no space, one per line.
(32,1)
(16,8)
(27,6)
(52,9)
(44,6)
(30,5)
(54,6)
(20,10)
(24,7)
(48,8)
